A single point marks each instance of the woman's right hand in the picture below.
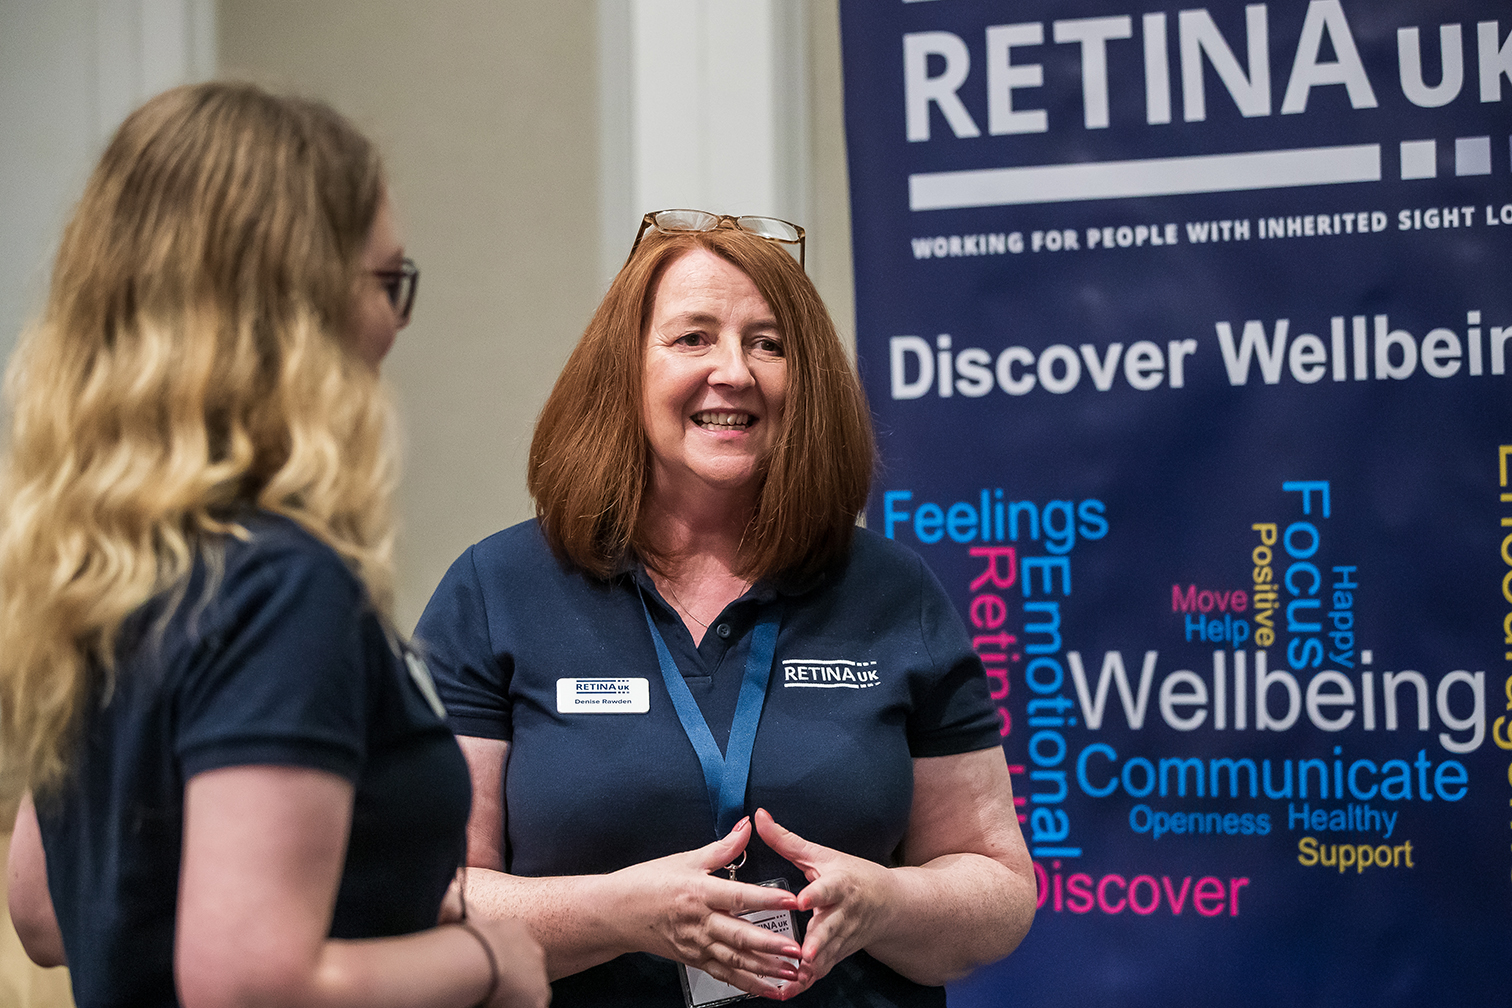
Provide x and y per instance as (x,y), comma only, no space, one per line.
(673,907)
(521,962)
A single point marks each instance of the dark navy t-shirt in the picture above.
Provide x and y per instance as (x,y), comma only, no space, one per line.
(285,663)
(873,668)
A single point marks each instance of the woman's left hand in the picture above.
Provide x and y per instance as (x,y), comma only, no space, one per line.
(851,899)
(961,896)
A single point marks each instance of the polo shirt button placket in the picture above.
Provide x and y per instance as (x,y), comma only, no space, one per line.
(723,630)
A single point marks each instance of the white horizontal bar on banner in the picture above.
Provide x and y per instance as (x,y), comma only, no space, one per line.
(1171,176)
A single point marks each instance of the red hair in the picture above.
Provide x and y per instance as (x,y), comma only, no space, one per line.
(590,458)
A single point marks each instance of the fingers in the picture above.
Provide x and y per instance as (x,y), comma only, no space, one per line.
(807,856)
(826,936)
(750,983)
(850,911)
(733,959)
(849,897)
(824,891)
(784,841)
(751,971)
(743,953)
(811,858)
(736,898)
(747,940)
(766,968)
(823,939)
(716,855)
(694,916)
(739,898)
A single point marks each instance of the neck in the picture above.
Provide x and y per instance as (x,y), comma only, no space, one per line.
(698,545)
(689,530)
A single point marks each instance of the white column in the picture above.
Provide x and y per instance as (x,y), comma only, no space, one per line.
(703,104)
(70,71)
(147,46)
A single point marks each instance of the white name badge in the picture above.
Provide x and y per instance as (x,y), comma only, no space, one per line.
(603,696)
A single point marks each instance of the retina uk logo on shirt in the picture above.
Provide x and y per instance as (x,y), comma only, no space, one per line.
(828,673)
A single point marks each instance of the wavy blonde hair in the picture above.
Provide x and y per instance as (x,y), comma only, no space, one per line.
(193,360)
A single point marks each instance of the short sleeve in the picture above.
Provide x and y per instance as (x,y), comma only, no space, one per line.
(471,678)
(277,677)
(953,710)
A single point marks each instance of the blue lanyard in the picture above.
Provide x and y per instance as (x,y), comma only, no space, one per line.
(724,774)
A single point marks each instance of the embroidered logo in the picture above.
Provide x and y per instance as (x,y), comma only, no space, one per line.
(828,673)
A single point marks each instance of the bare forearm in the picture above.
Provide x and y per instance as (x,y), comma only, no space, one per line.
(572,916)
(953,915)
(444,966)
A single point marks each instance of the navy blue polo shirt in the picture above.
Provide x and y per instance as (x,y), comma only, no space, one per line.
(284,663)
(873,668)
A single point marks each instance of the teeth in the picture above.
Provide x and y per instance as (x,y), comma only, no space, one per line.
(723,420)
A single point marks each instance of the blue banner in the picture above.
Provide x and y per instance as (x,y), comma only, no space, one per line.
(1187,333)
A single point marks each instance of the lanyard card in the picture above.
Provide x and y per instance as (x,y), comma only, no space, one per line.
(703,991)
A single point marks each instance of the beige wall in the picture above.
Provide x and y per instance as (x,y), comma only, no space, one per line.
(70,70)
(829,204)
(487,113)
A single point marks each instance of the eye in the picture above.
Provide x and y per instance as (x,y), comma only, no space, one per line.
(691,339)
(767,346)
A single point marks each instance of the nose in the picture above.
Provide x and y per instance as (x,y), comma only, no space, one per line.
(728,364)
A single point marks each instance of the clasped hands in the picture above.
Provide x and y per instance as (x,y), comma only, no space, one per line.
(695,915)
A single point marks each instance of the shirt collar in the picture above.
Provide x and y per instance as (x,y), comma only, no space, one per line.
(764,591)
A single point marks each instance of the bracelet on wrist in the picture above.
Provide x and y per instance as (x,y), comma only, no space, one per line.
(493,962)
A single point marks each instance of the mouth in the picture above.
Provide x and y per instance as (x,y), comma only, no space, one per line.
(723,420)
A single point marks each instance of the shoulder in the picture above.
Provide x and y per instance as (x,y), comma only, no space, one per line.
(885,576)
(874,547)
(279,559)
(875,573)
(273,540)
(518,557)
(509,572)
(283,656)
(873,556)
(520,547)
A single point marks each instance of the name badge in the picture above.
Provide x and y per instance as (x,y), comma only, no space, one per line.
(603,696)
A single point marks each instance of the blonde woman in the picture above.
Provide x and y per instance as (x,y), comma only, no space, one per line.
(239,788)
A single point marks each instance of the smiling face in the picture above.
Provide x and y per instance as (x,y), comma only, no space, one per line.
(714,380)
